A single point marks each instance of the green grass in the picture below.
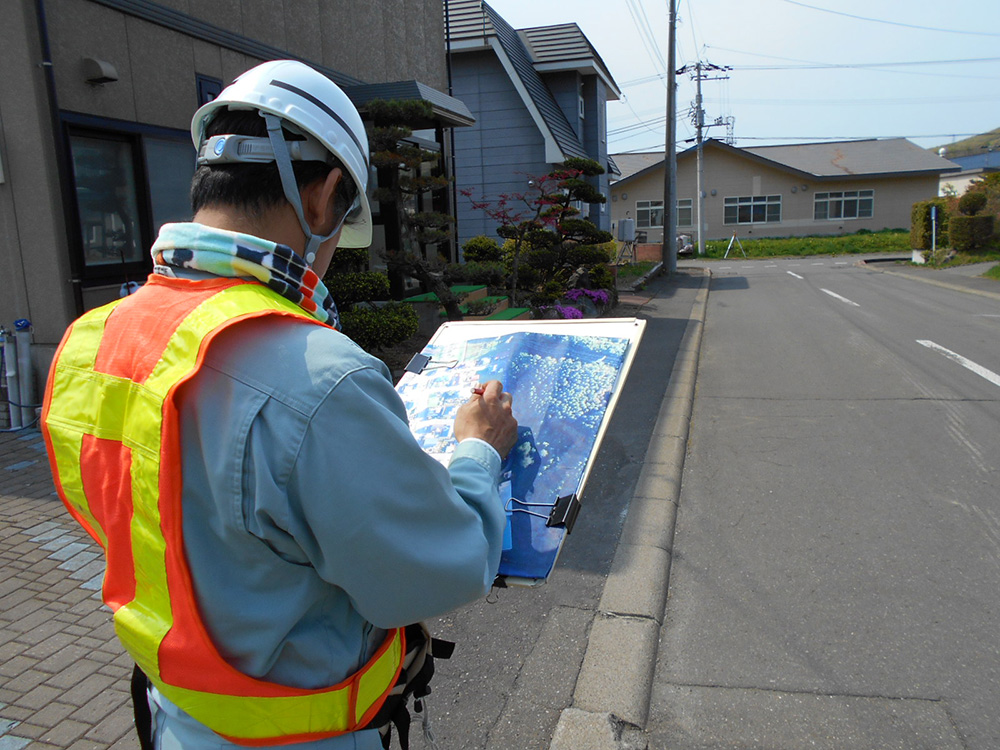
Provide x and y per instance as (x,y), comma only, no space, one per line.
(993,273)
(635,270)
(896,241)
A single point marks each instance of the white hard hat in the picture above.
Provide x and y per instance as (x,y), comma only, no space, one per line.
(315,106)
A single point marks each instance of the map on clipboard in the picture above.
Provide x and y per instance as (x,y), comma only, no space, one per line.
(565,378)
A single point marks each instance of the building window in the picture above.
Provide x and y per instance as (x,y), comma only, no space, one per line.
(757,209)
(169,164)
(208,88)
(848,204)
(128,180)
(648,214)
(684,212)
(104,171)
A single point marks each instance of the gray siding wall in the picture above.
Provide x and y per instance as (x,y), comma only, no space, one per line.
(565,89)
(502,151)
(595,129)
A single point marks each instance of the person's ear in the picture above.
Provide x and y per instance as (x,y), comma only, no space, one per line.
(318,202)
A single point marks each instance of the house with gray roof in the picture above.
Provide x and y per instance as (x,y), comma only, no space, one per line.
(538,96)
(785,190)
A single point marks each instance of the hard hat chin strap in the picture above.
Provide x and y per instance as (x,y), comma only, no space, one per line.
(284,162)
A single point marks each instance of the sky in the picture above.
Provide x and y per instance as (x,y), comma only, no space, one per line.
(802,70)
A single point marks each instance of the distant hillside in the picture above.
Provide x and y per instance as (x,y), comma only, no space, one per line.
(971,146)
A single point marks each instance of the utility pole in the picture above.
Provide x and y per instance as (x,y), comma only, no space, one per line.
(669,250)
(698,115)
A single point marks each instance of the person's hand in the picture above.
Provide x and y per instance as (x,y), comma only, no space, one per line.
(488,417)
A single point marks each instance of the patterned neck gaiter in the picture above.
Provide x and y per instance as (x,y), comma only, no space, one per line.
(234,255)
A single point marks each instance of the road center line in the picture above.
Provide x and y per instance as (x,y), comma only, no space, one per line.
(966,363)
(795,274)
(842,299)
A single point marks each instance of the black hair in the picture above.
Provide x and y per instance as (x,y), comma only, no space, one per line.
(256,188)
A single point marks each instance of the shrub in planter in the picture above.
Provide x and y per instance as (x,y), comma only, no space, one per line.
(920,223)
(970,232)
(350,288)
(374,329)
(482,249)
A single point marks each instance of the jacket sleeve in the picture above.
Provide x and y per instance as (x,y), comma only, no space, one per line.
(402,535)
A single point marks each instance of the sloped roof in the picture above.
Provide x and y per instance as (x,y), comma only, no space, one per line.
(630,163)
(843,159)
(474,21)
(852,158)
(566,47)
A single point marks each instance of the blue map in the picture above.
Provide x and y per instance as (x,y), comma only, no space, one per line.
(562,386)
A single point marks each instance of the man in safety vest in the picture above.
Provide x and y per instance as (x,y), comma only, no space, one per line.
(270,524)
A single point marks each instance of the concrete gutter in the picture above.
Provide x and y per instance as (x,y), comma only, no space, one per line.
(611,700)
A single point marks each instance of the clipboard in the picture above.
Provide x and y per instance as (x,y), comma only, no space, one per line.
(565,377)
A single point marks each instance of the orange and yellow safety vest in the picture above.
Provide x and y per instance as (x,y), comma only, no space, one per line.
(110,421)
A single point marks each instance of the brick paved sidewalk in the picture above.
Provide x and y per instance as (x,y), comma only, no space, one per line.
(63,675)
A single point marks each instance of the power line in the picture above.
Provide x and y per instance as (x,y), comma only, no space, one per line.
(892,23)
(823,65)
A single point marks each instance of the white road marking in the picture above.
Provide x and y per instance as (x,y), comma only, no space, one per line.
(724,268)
(794,274)
(986,315)
(816,264)
(795,264)
(966,363)
(841,263)
(842,299)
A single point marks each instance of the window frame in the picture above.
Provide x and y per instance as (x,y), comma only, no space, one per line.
(649,207)
(750,206)
(105,128)
(841,199)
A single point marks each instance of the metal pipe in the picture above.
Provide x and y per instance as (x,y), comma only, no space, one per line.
(22,332)
(10,370)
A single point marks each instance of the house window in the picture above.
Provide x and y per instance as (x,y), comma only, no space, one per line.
(848,204)
(757,209)
(684,211)
(648,214)
(582,103)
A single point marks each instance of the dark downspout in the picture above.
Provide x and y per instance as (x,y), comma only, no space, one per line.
(59,145)
(451,139)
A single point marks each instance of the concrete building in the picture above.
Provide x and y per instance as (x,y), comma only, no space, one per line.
(782,191)
(539,97)
(95,102)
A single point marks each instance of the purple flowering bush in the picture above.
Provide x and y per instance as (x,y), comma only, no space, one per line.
(598,296)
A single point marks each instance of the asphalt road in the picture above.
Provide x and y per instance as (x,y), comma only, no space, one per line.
(836,566)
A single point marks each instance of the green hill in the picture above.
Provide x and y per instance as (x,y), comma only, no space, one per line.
(971,146)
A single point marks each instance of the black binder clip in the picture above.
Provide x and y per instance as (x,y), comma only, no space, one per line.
(564,512)
(421,362)
(417,364)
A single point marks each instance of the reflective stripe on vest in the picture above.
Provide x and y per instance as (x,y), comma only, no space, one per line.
(112,433)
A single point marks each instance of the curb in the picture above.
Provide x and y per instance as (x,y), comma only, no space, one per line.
(611,700)
(937,282)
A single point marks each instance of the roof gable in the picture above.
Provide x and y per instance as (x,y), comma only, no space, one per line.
(473,24)
(566,47)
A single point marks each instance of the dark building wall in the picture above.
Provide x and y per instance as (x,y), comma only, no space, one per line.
(149,107)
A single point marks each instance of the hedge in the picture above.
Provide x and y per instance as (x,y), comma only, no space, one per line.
(970,232)
(920,223)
